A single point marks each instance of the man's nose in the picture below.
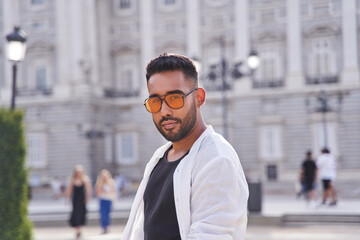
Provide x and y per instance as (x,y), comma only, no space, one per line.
(165,110)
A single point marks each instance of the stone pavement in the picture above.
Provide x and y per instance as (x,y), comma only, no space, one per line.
(313,232)
(280,208)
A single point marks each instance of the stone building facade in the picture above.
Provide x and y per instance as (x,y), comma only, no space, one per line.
(82,83)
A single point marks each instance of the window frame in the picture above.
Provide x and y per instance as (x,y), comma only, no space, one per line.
(120,159)
(43,162)
(276,142)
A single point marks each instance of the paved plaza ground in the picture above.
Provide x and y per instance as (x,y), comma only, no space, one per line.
(314,232)
(282,217)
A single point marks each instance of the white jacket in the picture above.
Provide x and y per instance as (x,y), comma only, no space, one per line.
(210,192)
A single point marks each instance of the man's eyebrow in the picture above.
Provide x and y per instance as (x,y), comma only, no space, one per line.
(170,92)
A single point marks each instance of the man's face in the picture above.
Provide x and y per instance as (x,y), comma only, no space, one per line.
(173,124)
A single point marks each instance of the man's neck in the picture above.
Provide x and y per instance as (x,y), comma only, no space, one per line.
(183,146)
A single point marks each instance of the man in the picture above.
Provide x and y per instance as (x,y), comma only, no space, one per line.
(193,187)
(327,172)
(308,176)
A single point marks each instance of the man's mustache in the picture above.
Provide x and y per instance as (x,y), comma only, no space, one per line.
(170,118)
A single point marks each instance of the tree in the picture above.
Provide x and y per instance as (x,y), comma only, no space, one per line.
(14,223)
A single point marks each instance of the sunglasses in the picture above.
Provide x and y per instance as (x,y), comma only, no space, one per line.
(173,100)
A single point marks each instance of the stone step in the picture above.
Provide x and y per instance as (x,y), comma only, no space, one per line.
(59,219)
(291,219)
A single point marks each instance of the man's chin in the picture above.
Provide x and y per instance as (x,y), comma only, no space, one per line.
(171,137)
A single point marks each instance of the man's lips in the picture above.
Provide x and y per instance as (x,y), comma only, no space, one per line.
(169,124)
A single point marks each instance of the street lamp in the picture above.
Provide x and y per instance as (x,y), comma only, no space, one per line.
(323,107)
(16,49)
(236,71)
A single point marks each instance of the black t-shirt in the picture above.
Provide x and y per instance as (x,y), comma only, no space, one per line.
(309,167)
(160,221)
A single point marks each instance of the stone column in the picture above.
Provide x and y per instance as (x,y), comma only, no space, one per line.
(63,51)
(193,33)
(350,74)
(89,67)
(104,57)
(147,38)
(242,43)
(294,77)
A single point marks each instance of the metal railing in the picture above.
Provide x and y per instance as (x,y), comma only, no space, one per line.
(274,83)
(114,93)
(322,79)
(33,91)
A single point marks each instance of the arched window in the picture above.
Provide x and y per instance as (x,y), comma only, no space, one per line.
(271,70)
(322,58)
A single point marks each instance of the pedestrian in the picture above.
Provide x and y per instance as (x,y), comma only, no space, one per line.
(194,186)
(122,184)
(105,191)
(307,176)
(56,187)
(79,191)
(326,164)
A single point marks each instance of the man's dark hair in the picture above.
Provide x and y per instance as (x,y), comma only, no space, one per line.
(325,150)
(172,62)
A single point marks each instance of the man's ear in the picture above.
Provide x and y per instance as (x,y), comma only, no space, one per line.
(200,96)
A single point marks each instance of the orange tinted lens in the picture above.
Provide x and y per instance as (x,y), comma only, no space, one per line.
(174,100)
(153,104)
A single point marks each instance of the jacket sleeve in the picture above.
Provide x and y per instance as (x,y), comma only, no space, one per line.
(218,200)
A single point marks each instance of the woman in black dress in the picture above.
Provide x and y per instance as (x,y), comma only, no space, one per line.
(79,190)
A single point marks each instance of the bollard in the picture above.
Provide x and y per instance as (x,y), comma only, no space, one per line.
(255,197)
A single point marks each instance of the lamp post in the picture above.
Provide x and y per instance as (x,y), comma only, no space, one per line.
(16,49)
(235,72)
(323,107)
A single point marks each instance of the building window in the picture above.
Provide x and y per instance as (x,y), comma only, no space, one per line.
(125,80)
(125,4)
(322,66)
(169,5)
(124,7)
(271,172)
(36,5)
(268,17)
(170,2)
(320,134)
(36,150)
(271,69)
(40,78)
(270,142)
(40,26)
(126,148)
(216,3)
(37,2)
(108,148)
(125,83)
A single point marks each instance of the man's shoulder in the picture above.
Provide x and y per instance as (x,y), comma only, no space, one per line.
(214,145)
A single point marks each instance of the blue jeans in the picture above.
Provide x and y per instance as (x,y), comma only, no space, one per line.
(105,208)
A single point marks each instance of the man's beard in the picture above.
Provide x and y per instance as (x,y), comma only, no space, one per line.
(186,126)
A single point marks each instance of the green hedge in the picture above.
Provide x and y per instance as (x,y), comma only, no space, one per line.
(14,222)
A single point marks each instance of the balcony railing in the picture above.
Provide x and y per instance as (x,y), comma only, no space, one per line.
(33,91)
(114,93)
(321,80)
(276,83)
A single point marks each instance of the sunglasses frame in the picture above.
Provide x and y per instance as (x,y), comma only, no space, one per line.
(162,98)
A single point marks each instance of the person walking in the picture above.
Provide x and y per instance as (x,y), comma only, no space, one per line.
(194,186)
(308,177)
(105,191)
(79,191)
(326,164)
